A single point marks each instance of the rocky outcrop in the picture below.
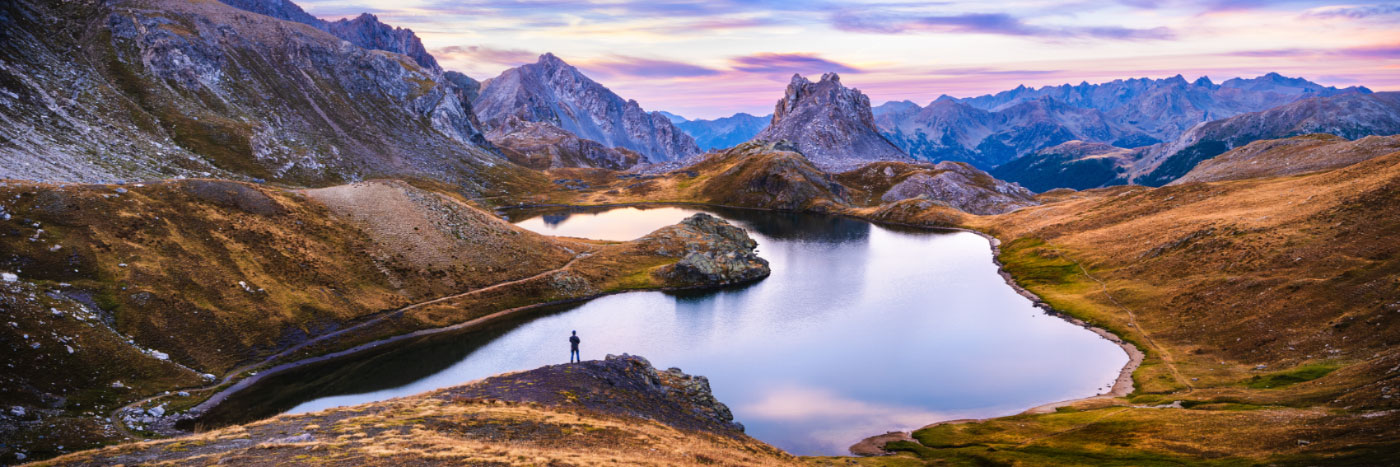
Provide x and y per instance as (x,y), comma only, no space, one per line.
(172,88)
(726,132)
(1349,115)
(543,146)
(366,31)
(990,130)
(954,184)
(769,176)
(553,92)
(829,123)
(625,385)
(1287,156)
(712,251)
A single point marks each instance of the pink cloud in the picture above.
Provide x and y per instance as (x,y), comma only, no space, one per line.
(484,54)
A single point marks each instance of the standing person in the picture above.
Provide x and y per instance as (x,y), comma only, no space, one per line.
(573,348)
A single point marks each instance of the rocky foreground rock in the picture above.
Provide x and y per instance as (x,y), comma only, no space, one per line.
(712,251)
(617,410)
(619,384)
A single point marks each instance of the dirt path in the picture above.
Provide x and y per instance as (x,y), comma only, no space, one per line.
(1132,321)
(378,318)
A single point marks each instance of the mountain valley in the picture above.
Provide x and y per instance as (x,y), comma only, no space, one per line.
(198,196)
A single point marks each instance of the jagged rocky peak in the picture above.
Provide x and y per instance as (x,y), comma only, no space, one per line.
(829,123)
(553,92)
(365,30)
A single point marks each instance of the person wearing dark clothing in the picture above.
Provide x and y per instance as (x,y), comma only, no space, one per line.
(573,348)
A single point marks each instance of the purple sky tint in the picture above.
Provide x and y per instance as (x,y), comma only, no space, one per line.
(712,58)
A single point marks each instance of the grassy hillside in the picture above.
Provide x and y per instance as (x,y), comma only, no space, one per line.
(1267,309)
(189,284)
(1287,156)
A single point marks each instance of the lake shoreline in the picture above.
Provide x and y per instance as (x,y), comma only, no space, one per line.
(1122,386)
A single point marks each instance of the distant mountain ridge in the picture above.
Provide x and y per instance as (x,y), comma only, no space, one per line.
(830,124)
(724,132)
(553,92)
(1349,116)
(994,129)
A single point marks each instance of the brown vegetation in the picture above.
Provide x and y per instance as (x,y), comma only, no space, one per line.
(223,277)
(571,414)
(1267,309)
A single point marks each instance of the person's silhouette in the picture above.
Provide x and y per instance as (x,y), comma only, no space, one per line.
(573,348)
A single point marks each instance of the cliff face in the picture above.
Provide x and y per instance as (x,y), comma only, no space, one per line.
(829,123)
(171,88)
(555,93)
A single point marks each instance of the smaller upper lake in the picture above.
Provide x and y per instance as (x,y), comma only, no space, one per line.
(861,329)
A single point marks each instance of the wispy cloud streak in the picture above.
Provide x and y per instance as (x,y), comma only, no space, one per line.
(982,23)
(788,63)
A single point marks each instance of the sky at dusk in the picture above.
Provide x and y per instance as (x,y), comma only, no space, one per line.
(712,58)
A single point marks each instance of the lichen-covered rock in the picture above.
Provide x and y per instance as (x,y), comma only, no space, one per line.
(712,251)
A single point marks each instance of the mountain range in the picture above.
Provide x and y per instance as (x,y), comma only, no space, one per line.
(1081,165)
(723,132)
(195,195)
(994,129)
(287,100)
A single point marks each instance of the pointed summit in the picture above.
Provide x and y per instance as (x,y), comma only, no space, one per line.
(551,60)
(829,123)
(552,92)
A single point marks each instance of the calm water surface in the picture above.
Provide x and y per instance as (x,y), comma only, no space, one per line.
(860,330)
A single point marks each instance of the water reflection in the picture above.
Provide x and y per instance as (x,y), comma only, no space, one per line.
(630,222)
(860,330)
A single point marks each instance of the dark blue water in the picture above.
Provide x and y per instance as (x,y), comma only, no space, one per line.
(860,330)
